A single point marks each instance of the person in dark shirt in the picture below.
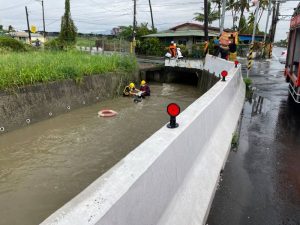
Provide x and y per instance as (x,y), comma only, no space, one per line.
(145,89)
(232,49)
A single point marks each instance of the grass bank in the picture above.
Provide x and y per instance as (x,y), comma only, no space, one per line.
(26,68)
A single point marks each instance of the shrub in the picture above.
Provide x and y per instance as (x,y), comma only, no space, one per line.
(54,44)
(248,82)
(11,44)
(150,46)
(184,50)
(198,50)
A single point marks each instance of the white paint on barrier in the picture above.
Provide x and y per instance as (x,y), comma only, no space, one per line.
(184,63)
(170,178)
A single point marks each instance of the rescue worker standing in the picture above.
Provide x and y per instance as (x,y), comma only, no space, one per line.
(129,90)
(172,49)
(232,49)
(206,43)
(145,89)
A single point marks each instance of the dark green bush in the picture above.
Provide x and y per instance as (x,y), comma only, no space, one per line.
(150,46)
(248,82)
(184,50)
(11,44)
(198,50)
(54,44)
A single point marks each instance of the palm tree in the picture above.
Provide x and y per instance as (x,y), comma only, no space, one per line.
(234,7)
(263,5)
(243,5)
(212,15)
(218,3)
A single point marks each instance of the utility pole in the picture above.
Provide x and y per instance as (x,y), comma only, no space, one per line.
(268,17)
(44,20)
(275,22)
(28,27)
(250,56)
(133,28)
(205,20)
(223,16)
(151,15)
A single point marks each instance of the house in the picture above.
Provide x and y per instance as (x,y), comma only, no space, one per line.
(186,34)
(24,36)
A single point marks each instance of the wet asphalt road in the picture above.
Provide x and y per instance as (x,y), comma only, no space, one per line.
(261,181)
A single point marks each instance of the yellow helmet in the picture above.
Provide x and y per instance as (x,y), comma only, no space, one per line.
(131,85)
(143,82)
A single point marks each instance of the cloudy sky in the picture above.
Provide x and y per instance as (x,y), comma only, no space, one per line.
(100,16)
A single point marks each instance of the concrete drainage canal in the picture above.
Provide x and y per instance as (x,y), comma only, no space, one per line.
(45,164)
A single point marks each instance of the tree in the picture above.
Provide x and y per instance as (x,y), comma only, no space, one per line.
(212,15)
(263,5)
(141,30)
(251,20)
(243,26)
(234,7)
(10,28)
(243,5)
(1,27)
(68,31)
(218,3)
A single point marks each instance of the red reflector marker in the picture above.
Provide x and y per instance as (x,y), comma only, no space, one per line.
(173,110)
(224,74)
(236,63)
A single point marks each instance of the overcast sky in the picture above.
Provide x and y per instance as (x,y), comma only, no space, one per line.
(100,16)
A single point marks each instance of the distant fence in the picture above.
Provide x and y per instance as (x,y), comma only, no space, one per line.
(103,44)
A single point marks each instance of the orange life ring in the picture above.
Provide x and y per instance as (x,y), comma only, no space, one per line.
(107,113)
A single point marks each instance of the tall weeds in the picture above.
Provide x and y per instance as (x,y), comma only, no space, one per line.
(19,69)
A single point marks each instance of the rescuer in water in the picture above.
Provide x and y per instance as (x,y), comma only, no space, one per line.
(145,89)
(130,90)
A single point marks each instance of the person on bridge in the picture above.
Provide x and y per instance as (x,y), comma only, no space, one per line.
(172,49)
(130,90)
(232,49)
(145,89)
(206,43)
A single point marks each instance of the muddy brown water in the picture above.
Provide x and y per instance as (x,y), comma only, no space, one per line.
(46,164)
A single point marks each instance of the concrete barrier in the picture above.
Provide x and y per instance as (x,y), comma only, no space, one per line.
(184,63)
(170,179)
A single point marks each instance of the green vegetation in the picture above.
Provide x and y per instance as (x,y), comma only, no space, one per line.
(282,43)
(26,68)
(150,46)
(235,141)
(141,30)
(68,30)
(212,14)
(86,41)
(248,82)
(10,44)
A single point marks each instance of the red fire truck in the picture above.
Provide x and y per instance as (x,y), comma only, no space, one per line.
(292,72)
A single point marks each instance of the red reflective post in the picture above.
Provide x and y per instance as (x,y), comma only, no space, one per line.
(236,63)
(224,74)
(173,110)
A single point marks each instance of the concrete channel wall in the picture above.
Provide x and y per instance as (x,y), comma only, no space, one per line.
(170,179)
(30,104)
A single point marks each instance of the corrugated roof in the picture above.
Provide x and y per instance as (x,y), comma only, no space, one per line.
(196,33)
